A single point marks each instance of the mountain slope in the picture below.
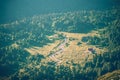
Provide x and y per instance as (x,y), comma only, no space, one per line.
(80,45)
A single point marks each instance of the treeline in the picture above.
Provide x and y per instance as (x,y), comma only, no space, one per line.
(24,34)
(109,37)
(34,30)
(13,59)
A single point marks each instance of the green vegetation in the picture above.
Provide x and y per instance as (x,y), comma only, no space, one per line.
(16,63)
(79,43)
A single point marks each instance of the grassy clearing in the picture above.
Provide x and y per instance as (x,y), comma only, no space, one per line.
(72,52)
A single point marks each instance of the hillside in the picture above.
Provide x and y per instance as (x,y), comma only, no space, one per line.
(80,45)
(115,75)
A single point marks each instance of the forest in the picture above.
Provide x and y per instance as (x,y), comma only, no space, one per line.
(16,63)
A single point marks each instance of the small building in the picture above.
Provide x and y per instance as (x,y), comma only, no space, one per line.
(91,50)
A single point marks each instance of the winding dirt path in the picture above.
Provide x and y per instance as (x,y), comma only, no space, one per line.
(58,51)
